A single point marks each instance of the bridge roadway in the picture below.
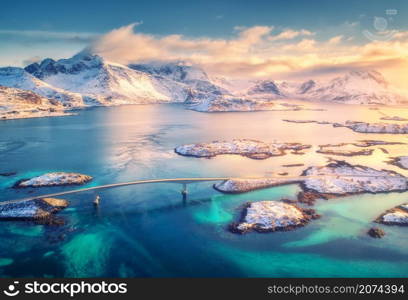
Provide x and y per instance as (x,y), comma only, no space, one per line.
(183,181)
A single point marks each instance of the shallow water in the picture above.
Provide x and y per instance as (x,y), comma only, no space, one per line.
(149,231)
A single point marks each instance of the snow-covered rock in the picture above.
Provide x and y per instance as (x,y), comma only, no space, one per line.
(394,118)
(269,216)
(395,216)
(401,161)
(249,148)
(53,179)
(38,209)
(342,178)
(241,185)
(17,104)
(364,127)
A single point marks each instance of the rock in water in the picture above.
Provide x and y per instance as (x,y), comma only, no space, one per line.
(249,148)
(364,127)
(401,161)
(376,232)
(395,216)
(342,178)
(53,179)
(38,209)
(269,216)
(238,185)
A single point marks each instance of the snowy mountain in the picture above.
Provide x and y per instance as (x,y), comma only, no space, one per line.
(87,80)
(108,82)
(195,80)
(266,88)
(18,78)
(355,87)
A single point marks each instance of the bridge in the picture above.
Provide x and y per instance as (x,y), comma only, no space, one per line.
(185,181)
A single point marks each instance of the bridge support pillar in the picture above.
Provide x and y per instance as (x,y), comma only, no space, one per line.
(184,189)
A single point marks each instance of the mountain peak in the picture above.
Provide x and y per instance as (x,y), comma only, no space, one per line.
(74,65)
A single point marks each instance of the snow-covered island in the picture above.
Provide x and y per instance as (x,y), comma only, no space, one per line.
(335,179)
(245,147)
(36,210)
(341,178)
(364,127)
(346,151)
(242,185)
(394,118)
(395,216)
(270,216)
(53,179)
(401,161)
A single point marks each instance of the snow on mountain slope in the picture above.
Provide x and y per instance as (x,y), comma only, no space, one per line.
(17,103)
(266,88)
(18,78)
(108,82)
(356,87)
(194,79)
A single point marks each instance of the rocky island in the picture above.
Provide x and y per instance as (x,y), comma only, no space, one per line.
(335,179)
(401,161)
(270,216)
(244,147)
(395,216)
(364,127)
(340,178)
(32,210)
(344,152)
(242,185)
(394,118)
(53,179)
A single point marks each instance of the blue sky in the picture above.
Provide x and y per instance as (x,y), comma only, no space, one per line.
(193,18)
(309,34)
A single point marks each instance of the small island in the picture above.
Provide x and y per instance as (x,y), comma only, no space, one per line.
(249,148)
(242,185)
(395,216)
(53,179)
(41,210)
(364,127)
(270,216)
(401,161)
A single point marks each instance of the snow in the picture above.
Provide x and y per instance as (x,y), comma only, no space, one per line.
(240,185)
(54,179)
(19,104)
(377,127)
(271,216)
(245,147)
(88,80)
(342,178)
(33,209)
(396,217)
(18,78)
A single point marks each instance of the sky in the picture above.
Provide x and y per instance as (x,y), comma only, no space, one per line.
(257,38)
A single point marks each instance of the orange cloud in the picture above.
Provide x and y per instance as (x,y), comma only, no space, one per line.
(258,52)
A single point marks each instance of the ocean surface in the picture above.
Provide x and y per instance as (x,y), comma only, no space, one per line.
(150,231)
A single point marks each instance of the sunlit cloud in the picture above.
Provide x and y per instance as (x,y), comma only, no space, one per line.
(262,51)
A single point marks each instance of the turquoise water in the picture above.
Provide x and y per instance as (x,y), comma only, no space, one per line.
(149,231)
